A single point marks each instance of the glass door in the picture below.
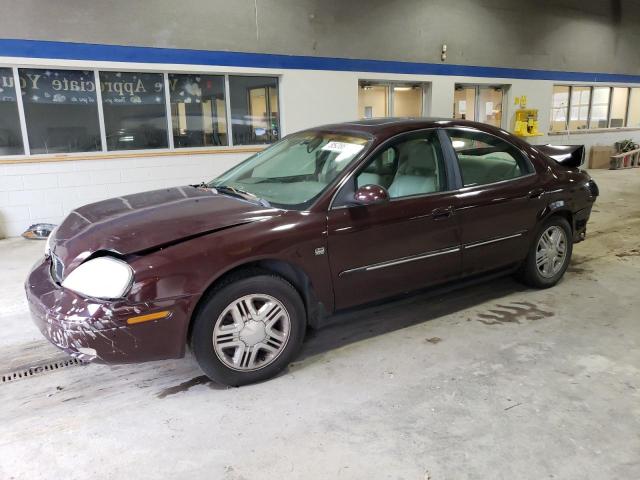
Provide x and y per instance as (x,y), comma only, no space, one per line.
(392,99)
(464,103)
(480,103)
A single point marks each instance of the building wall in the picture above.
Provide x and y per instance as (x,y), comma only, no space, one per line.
(553,36)
(571,35)
(46,191)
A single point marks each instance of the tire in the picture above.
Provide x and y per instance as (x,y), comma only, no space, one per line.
(248,329)
(551,271)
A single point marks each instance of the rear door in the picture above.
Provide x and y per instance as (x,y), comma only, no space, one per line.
(406,243)
(498,203)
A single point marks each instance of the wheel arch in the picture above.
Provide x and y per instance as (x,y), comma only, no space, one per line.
(559,209)
(295,275)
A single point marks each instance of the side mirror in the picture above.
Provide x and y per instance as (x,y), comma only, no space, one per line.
(370,194)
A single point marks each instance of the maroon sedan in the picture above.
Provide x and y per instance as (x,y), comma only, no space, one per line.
(326,219)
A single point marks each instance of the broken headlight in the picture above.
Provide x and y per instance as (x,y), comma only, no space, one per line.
(102,277)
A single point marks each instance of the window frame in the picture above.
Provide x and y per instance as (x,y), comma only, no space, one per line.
(504,88)
(590,129)
(629,104)
(626,106)
(349,181)
(567,109)
(169,147)
(407,137)
(268,101)
(390,85)
(225,90)
(591,105)
(21,116)
(28,157)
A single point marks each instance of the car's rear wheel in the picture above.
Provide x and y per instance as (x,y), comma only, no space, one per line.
(248,330)
(550,254)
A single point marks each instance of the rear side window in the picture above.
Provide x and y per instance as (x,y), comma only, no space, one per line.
(485,159)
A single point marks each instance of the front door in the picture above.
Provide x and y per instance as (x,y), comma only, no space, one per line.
(409,242)
(498,205)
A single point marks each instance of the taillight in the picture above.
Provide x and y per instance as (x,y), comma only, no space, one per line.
(592,187)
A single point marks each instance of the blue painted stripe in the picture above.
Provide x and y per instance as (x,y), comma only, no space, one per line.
(118,53)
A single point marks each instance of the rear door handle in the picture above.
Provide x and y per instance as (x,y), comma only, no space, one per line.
(536,193)
(442,213)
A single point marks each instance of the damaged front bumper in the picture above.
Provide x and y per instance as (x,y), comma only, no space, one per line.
(91,329)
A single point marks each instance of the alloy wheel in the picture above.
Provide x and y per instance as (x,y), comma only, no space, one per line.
(251,332)
(551,251)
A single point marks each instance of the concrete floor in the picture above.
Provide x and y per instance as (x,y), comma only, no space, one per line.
(491,382)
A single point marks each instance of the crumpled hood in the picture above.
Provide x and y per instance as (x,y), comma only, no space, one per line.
(147,220)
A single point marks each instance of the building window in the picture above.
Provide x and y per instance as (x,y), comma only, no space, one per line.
(10,135)
(579,115)
(599,117)
(633,117)
(60,110)
(619,99)
(135,114)
(480,103)
(594,107)
(254,110)
(559,108)
(198,110)
(378,100)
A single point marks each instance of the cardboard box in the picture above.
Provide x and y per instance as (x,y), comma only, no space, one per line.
(600,156)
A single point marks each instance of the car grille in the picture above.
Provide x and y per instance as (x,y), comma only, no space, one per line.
(57,269)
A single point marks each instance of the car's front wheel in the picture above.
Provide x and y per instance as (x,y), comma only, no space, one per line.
(248,330)
(549,255)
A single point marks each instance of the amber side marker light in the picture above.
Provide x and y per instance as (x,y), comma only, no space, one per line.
(148,317)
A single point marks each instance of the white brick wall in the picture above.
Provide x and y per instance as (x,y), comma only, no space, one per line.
(47,192)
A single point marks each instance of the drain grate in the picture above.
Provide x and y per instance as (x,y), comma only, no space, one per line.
(39,369)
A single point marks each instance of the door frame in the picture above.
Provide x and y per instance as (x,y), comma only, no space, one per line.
(425,89)
(477,86)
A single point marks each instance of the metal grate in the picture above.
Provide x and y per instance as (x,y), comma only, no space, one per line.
(38,369)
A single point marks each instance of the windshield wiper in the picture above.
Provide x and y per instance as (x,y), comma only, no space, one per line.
(241,194)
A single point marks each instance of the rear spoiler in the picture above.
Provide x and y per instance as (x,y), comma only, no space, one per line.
(567,155)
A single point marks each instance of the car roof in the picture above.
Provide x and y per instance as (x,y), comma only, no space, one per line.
(383,128)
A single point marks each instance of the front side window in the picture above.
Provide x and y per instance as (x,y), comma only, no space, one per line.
(60,110)
(198,111)
(294,171)
(10,135)
(135,114)
(485,159)
(413,166)
(254,110)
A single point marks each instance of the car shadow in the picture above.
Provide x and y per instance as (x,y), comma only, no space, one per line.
(378,319)
(357,325)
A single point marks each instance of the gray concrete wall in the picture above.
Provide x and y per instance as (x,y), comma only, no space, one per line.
(574,35)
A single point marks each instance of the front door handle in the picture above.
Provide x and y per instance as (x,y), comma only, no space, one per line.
(442,213)
(536,193)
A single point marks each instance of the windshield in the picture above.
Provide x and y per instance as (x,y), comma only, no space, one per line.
(294,171)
